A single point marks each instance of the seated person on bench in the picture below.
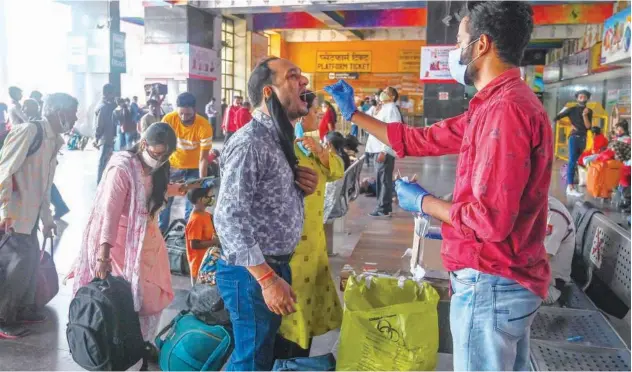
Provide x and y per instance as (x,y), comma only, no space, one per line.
(560,246)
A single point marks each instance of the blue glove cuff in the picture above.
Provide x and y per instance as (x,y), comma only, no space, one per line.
(420,202)
(348,117)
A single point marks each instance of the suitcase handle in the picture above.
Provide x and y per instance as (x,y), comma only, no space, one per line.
(158,340)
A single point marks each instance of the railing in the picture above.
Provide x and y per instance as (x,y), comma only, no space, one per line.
(338,195)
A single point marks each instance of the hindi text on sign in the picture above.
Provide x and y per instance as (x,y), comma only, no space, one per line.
(409,60)
(343,62)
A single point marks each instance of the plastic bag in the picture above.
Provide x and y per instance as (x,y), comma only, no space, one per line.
(389,324)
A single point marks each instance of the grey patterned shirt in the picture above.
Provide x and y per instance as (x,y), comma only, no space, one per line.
(259,210)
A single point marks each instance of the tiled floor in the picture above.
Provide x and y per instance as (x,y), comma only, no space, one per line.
(46,347)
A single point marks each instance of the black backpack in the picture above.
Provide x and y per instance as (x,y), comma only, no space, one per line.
(37,141)
(206,304)
(176,241)
(103,329)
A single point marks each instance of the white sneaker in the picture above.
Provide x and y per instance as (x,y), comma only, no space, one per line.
(573,192)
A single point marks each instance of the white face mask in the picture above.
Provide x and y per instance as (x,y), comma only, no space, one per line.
(149,161)
(384,97)
(458,70)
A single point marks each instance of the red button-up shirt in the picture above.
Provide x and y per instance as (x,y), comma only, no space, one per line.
(229,123)
(499,212)
(242,117)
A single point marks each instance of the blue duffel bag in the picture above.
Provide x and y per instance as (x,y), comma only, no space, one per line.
(192,345)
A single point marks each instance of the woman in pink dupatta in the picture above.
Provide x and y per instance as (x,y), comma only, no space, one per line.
(122,235)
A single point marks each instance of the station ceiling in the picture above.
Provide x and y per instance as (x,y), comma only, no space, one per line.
(340,20)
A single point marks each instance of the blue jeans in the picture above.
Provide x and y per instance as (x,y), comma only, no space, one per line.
(325,362)
(126,140)
(177,175)
(57,201)
(254,325)
(490,320)
(576,145)
(106,153)
(354,130)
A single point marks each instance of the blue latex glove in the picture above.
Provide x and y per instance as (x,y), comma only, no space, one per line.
(434,232)
(344,97)
(410,195)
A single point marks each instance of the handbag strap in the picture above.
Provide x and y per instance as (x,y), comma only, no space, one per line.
(4,238)
(43,250)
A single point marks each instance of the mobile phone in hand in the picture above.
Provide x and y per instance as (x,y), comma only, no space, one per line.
(204,181)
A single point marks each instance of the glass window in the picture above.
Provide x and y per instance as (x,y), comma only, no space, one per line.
(228,58)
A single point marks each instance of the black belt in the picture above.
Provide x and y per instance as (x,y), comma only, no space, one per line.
(278,260)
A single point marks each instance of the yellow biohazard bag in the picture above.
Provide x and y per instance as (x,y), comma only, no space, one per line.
(389,324)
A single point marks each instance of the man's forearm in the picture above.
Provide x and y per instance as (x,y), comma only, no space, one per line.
(437,208)
(204,244)
(203,167)
(258,271)
(376,127)
(587,122)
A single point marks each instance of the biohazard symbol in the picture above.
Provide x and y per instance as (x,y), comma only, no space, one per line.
(384,327)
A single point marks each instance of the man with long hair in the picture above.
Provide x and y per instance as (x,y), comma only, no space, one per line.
(259,213)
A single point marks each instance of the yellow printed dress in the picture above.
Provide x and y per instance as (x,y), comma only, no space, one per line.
(318,307)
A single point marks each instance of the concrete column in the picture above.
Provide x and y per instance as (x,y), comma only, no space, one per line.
(242,57)
(4,65)
(89,16)
(437,33)
(186,25)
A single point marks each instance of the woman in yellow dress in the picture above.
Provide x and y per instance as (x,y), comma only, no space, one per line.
(318,306)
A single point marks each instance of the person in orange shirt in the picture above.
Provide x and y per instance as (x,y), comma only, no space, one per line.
(200,232)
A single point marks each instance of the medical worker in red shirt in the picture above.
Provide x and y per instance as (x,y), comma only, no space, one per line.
(494,230)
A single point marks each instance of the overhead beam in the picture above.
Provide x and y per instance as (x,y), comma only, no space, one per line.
(378,34)
(336,22)
(540,33)
(559,32)
(282,6)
